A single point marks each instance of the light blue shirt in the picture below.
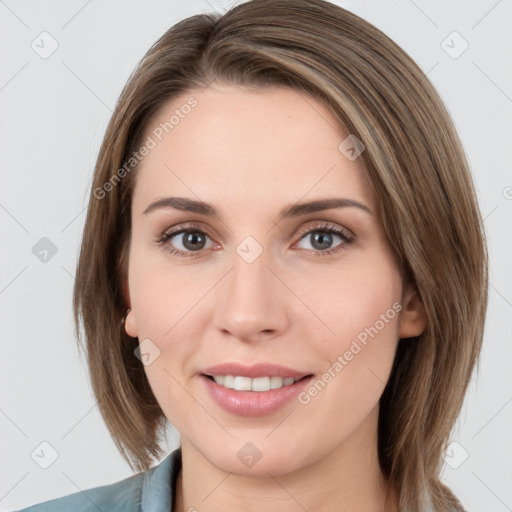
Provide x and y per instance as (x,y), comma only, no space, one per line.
(150,491)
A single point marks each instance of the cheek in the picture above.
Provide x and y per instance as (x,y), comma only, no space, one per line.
(362,311)
(170,314)
(354,301)
(160,294)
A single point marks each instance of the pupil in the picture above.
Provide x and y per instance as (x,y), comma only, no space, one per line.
(320,240)
(323,239)
(191,240)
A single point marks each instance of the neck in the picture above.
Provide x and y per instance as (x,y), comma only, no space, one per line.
(349,478)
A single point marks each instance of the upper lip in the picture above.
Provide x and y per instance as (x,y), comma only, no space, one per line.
(253,371)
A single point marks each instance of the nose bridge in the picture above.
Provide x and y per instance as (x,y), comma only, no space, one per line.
(250,300)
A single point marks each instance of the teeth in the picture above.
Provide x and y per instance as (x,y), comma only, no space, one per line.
(247,384)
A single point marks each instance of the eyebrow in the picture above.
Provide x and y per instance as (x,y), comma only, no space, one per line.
(294,210)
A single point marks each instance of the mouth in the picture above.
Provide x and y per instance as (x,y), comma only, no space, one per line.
(253,396)
(259,377)
(256,384)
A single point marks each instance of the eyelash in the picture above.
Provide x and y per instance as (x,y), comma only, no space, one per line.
(346,236)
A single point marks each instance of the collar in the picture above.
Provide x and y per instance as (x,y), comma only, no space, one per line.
(159,485)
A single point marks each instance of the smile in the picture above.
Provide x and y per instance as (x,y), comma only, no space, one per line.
(240,383)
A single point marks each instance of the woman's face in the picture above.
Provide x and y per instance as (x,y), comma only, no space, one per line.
(249,285)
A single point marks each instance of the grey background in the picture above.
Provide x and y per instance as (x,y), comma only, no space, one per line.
(54,112)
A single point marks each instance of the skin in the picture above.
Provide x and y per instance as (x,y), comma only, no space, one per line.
(250,153)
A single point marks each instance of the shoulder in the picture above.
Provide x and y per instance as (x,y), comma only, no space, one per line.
(123,495)
(133,494)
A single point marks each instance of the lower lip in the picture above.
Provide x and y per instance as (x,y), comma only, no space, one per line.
(253,403)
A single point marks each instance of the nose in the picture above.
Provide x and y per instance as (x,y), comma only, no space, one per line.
(251,302)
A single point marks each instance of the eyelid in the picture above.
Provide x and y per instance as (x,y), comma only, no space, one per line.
(312,226)
(326,225)
(181,228)
(320,224)
(186,226)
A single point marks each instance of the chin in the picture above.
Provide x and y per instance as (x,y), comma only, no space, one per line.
(249,460)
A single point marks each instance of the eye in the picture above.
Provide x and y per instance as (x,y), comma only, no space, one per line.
(188,241)
(321,238)
(185,241)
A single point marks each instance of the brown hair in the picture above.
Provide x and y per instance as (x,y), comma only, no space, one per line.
(423,187)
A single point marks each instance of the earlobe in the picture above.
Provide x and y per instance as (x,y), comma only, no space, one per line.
(413,319)
(130,324)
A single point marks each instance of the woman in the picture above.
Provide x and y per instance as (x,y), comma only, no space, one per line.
(284,258)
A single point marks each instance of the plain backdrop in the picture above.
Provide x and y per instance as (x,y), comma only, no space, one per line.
(54,111)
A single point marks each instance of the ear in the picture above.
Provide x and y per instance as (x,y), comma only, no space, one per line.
(413,318)
(130,325)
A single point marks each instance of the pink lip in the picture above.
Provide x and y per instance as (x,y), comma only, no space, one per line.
(257,370)
(252,403)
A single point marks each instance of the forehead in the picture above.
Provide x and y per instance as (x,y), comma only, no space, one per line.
(275,145)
